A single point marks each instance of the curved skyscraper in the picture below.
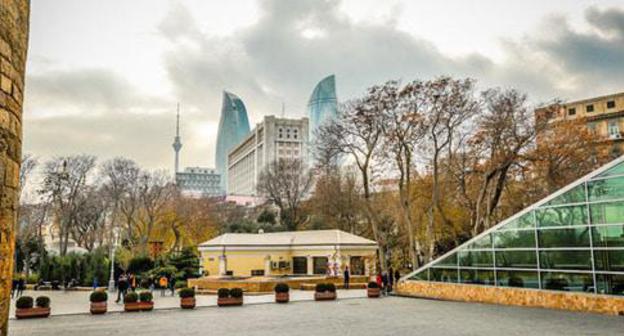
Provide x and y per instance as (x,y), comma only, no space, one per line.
(233,127)
(322,105)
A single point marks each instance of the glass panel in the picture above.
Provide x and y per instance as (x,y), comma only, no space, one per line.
(475,258)
(575,195)
(443,274)
(607,189)
(560,216)
(480,277)
(448,261)
(517,279)
(610,284)
(514,239)
(617,170)
(607,213)
(609,260)
(422,275)
(525,221)
(566,260)
(571,282)
(516,259)
(574,237)
(483,242)
(608,236)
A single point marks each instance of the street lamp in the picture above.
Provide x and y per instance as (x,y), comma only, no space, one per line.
(111,281)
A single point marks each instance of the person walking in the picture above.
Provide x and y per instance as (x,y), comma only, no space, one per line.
(14,287)
(397,276)
(163,285)
(95,283)
(384,281)
(347,277)
(390,279)
(172,281)
(122,287)
(21,285)
(378,280)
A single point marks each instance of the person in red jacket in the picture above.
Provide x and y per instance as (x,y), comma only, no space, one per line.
(378,280)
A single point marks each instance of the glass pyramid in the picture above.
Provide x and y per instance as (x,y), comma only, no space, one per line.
(573,240)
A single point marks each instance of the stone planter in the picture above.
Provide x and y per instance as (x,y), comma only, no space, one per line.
(187,303)
(324,296)
(282,297)
(132,306)
(373,292)
(22,313)
(146,306)
(229,301)
(98,308)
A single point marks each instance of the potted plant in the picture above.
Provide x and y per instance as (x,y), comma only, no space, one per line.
(281,293)
(145,301)
(25,307)
(325,291)
(131,302)
(229,297)
(98,302)
(373,290)
(187,298)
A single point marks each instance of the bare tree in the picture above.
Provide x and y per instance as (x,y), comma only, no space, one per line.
(65,179)
(89,228)
(155,190)
(119,178)
(285,182)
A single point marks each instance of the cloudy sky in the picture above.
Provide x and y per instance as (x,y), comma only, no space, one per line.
(104,76)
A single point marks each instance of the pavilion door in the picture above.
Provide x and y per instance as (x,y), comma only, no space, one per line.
(300,265)
(357,265)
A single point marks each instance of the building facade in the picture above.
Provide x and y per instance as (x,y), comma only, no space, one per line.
(322,105)
(603,115)
(285,253)
(233,127)
(271,140)
(571,241)
(199,182)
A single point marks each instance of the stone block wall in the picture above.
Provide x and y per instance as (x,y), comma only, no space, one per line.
(581,302)
(14,19)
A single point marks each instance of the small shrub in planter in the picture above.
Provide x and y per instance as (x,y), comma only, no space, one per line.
(131,302)
(281,293)
(187,298)
(98,302)
(234,297)
(373,290)
(25,307)
(146,302)
(325,291)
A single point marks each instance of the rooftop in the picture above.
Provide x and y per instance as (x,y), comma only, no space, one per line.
(290,238)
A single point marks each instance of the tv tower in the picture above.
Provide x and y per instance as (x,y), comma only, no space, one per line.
(177,143)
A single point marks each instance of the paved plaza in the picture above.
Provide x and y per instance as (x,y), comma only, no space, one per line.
(358,316)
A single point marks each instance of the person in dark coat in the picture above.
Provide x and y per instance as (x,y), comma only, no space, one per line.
(384,280)
(21,285)
(397,276)
(390,279)
(347,277)
(122,287)
(13,287)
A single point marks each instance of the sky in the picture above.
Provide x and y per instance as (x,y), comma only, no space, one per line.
(104,77)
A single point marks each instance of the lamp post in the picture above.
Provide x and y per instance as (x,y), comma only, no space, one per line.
(111,281)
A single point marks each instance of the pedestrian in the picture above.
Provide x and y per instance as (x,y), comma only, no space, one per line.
(14,287)
(384,281)
(378,280)
(152,283)
(172,281)
(390,279)
(95,283)
(397,276)
(122,287)
(163,285)
(21,285)
(347,277)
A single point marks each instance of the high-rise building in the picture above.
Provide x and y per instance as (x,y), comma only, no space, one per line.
(272,139)
(233,127)
(323,104)
(177,142)
(603,115)
(199,182)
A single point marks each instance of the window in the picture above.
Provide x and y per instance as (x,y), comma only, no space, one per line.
(589,108)
(571,111)
(257,272)
(611,104)
(614,129)
(320,265)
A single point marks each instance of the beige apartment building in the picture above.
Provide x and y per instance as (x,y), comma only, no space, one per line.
(604,115)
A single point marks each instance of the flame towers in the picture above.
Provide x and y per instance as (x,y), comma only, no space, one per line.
(233,127)
(322,105)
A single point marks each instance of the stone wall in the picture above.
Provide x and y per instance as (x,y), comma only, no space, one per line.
(14,17)
(582,302)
